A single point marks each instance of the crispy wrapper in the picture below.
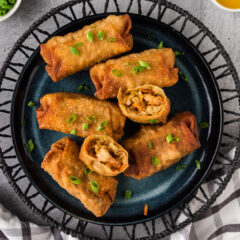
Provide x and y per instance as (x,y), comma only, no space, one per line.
(118,73)
(62,162)
(61,61)
(144,104)
(57,108)
(145,161)
(104,155)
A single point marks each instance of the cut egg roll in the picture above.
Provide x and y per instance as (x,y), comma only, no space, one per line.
(144,104)
(104,155)
(96,192)
(76,51)
(151,67)
(154,147)
(80,115)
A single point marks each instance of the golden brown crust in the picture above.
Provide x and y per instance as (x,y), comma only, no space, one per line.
(61,62)
(161,73)
(62,162)
(182,126)
(144,103)
(56,108)
(104,155)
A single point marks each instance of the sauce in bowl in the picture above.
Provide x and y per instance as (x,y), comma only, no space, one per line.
(232,4)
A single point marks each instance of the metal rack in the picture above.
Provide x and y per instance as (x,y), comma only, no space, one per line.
(220,64)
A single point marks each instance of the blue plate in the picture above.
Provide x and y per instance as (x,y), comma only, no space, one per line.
(162,191)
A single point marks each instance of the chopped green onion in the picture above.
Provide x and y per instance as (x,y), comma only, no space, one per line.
(160,45)
(116,72)
(181,167)
(203,125)
(79,44)
(137,69)
(12,1)
(73,132)
(85,126)
(31,104)
(30,146)
(94,186)
(92,118)
(153,121)
(150,145)
(100,35)
(80,88)
(176,53)
(127,194)
(127,64)
(170,139)
(102,126)
(198,163)
(144,64)
(86,87)
(90,36)
(155,160)
(184,77)
(3,13)
(75,180)
(74,51)
(111,39)
(87,170)
(72,118)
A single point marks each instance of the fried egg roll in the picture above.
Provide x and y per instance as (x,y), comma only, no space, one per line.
(144,104)
(76,51)
(154,148)
(96,192)
(104,155)
(154,67)
(80,115)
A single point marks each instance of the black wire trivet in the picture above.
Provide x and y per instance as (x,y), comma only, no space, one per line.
(224,72)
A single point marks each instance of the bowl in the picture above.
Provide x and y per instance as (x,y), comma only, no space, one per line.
(225,8)
(11,12)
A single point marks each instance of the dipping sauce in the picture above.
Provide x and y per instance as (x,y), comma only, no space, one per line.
(233,4)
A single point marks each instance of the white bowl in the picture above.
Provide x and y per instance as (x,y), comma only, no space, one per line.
(225,8)
(11,12)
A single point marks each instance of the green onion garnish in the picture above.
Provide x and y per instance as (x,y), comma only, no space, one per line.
(73,132)
(75,180)
(102,126)
(92,118)
(144,64)
(170,138)
(137,69)
(31,104)
(90,36)
(72,118)
(198,163)
(160,45)
(30,146)
(80,88)
(178,53)
(150,145)
(111,39)
(116,72)
(94,186)
(85,126)
(127,194)
(203,125)
(86,87)
(79,44)
(74,50)
(155,160)
(181,167)
(87,170)
(100,35)
(184,77)
(5,6)
(153,121)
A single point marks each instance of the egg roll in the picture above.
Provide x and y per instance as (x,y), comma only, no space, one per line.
(80,115)
(144,104)
(96,192)
(76,51)
(104,155)
(154,147)
(154,67)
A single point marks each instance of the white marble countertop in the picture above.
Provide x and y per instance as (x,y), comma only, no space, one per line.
(225,25)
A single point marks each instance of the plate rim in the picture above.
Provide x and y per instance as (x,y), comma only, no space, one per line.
(199,182)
